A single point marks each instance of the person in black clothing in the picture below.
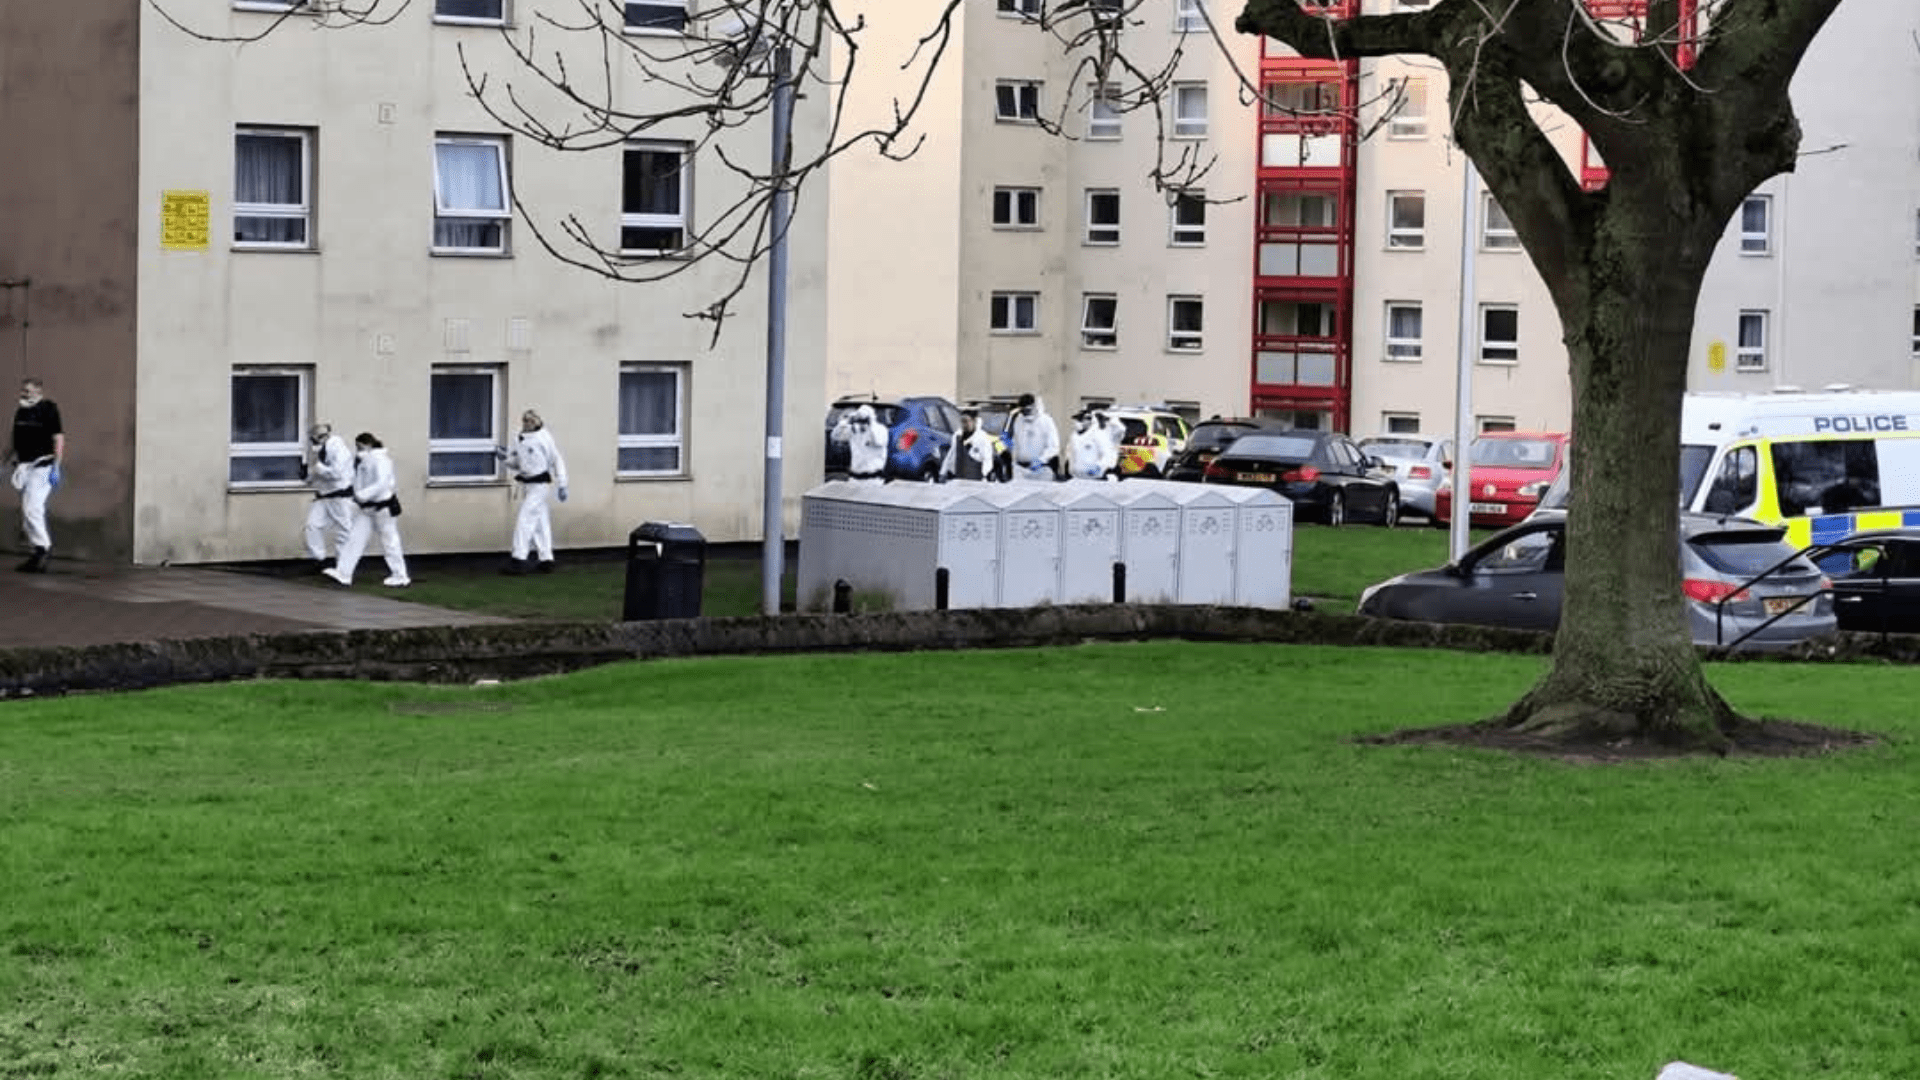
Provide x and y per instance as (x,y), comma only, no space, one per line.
(39,446)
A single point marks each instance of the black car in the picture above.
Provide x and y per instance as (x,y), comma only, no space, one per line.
(1876,588)
(1207,440)
(1322,473)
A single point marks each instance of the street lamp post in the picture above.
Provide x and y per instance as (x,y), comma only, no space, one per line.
(773,546)
(1463,374)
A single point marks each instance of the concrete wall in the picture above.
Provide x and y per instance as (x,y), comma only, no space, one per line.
(68,211)
(371,310)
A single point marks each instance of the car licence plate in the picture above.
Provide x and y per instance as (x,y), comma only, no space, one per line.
(1487,508)
(1255,477)
(1778,605)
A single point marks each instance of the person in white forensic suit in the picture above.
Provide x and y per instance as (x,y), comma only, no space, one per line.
(1116,433)
(540,470)
(377,507)
(867,439)
(1036,441)
(974,453)
(1087,450)
(328,466)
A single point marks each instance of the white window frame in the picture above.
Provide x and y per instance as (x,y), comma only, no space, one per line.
(1757,242)
(1412,350)
(474,20)
(1187,233)
(1495,351)
(1186,125)
(1011,324)
(1185,341)
(682,221)
(1016,196)
(1494,237)
(442,211)
(1916,332)
(628,26)
(1751,357)
(1095,333)
(1409,119)
(1018,9)
(1406,238)
(1916,234)
(1021,89)
(265,5)
(1099,235)
(302,422)
(1488,424)
(497,422)
(1410,419)
(1103,117)
(302,211)
(1188,19)
(677,439)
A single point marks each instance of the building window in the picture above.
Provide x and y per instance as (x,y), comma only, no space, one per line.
(1496,228)
(653,414)
(1187,219)
(1186,318)
(1751,355)
(272,188)
(1499,334)
(470,210)
(1021,9)
(270,415)
(1014,313)
(1187,17)
(1103,113)
(1488,424)
(1756,225)
(1016,207)
(1916,233)
(1407,219)
(463,423)
(1916,333)
(1103,216)
(1400,423)
(1409,119)
(493,12)
(1189,110)
(655,192)
(1016,102)
(1108,14)
(1099,314)
(656,16)
(1404,330)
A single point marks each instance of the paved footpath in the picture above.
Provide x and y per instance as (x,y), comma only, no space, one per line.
(98,604)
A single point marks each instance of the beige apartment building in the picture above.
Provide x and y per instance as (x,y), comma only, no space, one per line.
(211,244)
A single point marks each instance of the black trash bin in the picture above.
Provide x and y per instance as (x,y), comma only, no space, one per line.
(666,569)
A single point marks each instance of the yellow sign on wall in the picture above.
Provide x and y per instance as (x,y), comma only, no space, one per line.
(185,220)
(1717,357)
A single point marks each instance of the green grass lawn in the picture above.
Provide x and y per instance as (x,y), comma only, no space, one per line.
(1331,566)
(1089,862)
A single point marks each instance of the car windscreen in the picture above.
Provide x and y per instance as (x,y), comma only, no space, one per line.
(1395,448)
(1516,453)
(1273,447)
(1746,552)
(887,414)
(1694,459)
(1216,436)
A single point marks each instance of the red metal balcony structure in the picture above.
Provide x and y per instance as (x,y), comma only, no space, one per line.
(1633,13)
(1307,155)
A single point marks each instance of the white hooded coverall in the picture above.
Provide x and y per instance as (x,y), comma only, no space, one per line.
(970,457)
(330,516)
(1035,441)
(1089,450)
(866,438)
(373,491)
(535,455)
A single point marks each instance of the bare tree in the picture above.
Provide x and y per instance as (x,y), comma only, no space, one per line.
(1690,115)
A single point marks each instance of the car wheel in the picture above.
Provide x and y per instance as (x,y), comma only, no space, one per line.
(1337,508)
(1390,513)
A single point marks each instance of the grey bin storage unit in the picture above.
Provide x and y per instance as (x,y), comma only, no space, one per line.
(1149,539)
(1089,540)
(892,538)
(1029,571)
(1209,527)
(1263,548)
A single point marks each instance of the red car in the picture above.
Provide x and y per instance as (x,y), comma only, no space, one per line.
(1511,470)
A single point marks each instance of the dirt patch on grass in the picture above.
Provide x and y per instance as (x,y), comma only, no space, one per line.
(1750,739)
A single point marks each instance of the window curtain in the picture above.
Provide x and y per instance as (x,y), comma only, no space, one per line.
(268,171)
(462,406)
(1404,323)
(649,403)
(266,409)
(469,175)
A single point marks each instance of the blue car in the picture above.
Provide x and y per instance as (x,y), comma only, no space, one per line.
(919,430)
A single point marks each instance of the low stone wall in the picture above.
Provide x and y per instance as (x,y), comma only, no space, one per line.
(523,650)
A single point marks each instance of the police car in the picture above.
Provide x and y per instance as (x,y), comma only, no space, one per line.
(1155,436)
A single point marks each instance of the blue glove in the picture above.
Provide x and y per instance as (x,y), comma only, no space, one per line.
(563,493)
(53,476)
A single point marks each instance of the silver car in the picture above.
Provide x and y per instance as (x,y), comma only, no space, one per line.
(1415,462)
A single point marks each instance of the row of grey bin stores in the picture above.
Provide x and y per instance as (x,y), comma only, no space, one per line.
(968,544)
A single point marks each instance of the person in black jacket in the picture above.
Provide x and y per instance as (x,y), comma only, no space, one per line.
(39,446)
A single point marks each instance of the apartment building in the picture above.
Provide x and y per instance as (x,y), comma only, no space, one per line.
(1010,257)
(227,240)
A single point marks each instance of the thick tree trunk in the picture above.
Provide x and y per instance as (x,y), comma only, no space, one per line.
(1624,663)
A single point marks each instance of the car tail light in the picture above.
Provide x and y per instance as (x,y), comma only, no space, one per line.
(1419,472)
(1712,592)
(1215,471)
(1305,474)
(908,438)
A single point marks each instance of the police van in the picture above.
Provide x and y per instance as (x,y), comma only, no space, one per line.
(1826,465)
